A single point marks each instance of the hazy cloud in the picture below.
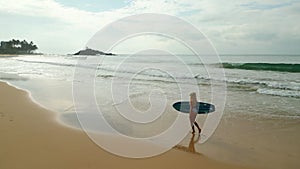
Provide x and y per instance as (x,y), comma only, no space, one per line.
(265,26)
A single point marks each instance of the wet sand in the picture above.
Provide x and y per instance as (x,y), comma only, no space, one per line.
(255,141)
(32,138)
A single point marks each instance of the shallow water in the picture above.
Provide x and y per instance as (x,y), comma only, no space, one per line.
(135,79)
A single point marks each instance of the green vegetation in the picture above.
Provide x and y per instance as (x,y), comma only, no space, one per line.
(17,47)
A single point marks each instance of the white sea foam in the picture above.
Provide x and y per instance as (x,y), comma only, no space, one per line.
(278,92)
(11,76)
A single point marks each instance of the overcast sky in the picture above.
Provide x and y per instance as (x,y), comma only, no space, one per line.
(234,27)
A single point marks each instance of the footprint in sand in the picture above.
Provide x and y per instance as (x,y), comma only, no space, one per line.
(1,115)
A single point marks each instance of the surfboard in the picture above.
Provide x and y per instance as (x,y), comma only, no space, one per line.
(203,108)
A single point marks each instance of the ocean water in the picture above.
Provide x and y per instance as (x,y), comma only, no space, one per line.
(258,86)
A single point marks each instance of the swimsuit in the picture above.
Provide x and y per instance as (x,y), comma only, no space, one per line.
(193,115)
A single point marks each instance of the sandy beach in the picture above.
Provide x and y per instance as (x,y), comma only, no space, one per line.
(7,55)
(32,138)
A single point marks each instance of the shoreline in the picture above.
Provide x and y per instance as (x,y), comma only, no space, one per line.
(19,54)
(31,137)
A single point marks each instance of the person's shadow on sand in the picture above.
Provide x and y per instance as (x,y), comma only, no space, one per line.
(191,147)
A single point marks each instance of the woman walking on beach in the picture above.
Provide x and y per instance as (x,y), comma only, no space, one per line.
(194,112)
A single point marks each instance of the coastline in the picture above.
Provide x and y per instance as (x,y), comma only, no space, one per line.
(8,55)
(32,138)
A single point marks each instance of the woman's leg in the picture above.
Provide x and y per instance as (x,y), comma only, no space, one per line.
(193,129)
(197,126)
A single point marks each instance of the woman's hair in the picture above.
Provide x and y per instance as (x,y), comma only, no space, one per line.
(193,94)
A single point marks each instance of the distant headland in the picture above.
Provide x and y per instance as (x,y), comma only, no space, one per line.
(17,47)
(89,51)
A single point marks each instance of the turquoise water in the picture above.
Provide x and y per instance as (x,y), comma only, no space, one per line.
(279,67)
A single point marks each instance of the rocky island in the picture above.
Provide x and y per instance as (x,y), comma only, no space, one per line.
(89,51)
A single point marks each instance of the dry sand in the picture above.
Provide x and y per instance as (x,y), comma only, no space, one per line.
(31,138)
